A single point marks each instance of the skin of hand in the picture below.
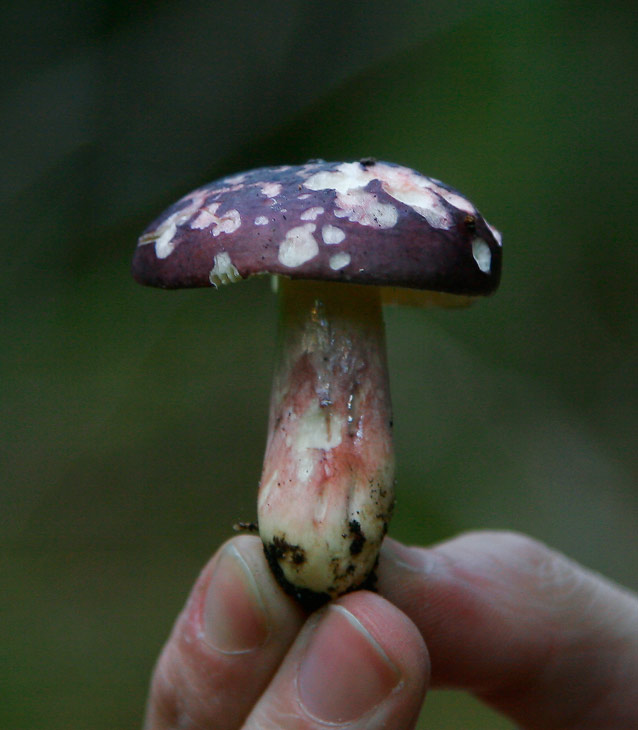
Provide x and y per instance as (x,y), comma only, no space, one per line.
(533,634)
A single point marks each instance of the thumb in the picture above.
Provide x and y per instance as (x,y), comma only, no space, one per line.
(358,663)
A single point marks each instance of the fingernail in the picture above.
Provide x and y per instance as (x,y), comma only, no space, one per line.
(235,618)
(344,673)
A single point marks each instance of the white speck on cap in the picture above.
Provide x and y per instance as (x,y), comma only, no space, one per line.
(312,213)
(332,234)
(261,220)
(339,260)
(224,271)
(298,246)
(482,255)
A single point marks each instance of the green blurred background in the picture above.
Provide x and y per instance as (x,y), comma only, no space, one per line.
(134,419)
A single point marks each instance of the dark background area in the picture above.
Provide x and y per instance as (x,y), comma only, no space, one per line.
(133,420)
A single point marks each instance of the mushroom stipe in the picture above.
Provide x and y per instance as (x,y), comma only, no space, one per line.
(341,239)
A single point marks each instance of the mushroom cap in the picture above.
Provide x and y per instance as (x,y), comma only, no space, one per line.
(364,222)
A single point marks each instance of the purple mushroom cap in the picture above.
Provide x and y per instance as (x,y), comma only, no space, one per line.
(363,222)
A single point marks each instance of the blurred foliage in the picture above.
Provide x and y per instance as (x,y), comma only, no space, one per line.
(133,420)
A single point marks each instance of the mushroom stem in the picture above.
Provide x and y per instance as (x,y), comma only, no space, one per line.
(327,486)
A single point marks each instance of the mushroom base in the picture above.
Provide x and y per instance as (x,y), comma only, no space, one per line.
(309,599)
(327,486)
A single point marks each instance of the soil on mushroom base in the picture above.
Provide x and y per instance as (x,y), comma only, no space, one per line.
(312,600)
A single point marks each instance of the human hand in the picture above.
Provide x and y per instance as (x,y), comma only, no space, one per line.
(538,637)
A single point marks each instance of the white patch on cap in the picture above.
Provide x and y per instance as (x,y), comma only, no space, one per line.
(347,176)
(497,234)
(269,189)
(426,203)
(164,245)
(482,255)
(458,201)
(163,235)
(415,191)
(261,220)
(228,222)
(420,193)
(304,196)
(339,260)
(332,234)
(312,213)
(298,246)
(224,271)
(365,208)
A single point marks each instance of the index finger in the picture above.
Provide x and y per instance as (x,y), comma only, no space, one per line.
(537,636)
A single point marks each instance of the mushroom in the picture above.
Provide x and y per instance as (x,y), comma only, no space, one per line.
(341,239)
